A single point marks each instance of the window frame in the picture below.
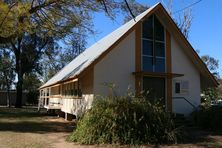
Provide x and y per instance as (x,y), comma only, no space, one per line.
(154,57)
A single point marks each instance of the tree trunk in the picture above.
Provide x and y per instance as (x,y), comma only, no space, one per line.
(7,89)
(18,103)
(8,99)
(8,93)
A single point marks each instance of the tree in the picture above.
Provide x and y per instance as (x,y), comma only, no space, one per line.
(27,50)
(211,93)
(54,16)
(29,28)
(31,84)
(50,63)
(7,74)
(135,8)
(183,19)
(212,64)
(220,88)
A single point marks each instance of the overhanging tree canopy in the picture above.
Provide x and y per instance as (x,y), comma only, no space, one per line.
(30,28)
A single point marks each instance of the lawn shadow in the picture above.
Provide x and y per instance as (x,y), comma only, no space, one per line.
(196,135)
(28,120)
(25,112)
(36,127)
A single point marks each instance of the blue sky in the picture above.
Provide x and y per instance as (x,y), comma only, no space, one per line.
(205,33)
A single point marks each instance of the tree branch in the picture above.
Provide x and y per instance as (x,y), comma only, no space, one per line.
(43,5)
(131,13)
(10,7)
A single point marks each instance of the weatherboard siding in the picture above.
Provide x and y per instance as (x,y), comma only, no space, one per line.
(116,68)
(78,106)
(181,64)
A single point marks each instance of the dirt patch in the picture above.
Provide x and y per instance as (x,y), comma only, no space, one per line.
(26,128)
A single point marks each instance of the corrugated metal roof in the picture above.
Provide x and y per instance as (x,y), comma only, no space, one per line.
(76,66)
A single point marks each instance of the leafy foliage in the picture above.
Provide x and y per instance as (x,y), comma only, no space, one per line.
(210,94)
(220,89)
(124,120)
(31,84)
(32,97)
(209,118)
(30,30)
(211,63)
(7,74)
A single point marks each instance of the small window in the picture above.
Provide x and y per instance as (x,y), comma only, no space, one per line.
(177,87)
(80,93)
(182,87)
(75,92)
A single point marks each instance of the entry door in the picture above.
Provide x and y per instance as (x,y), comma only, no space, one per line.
(154,88)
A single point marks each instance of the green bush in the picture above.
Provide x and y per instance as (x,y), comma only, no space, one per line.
(124,121)
(32,97)
(209,94)
(209,118)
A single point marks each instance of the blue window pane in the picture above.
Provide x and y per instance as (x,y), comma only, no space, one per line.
(160,65)
(160,49)
(159,30)
(148,28)
(147,47)
(147,63)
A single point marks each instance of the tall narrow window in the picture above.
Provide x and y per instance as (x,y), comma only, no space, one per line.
(153,45)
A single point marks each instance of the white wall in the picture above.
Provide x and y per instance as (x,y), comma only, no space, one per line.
(182,65)
(67,105)
(77,106)
(116,67)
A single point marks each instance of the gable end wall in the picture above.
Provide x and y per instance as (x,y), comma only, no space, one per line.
(116,68)
(181,64)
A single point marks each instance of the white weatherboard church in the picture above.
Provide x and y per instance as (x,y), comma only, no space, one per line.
(148,53)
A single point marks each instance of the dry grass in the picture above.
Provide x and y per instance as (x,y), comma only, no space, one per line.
(25,128)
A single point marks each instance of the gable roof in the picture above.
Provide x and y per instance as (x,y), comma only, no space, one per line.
(86,58)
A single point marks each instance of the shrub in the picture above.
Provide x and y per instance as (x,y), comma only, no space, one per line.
(209,94)
(209,118)
(32,97)
(124,121)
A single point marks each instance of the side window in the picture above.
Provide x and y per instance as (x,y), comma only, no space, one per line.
(181,87)
(177,87)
